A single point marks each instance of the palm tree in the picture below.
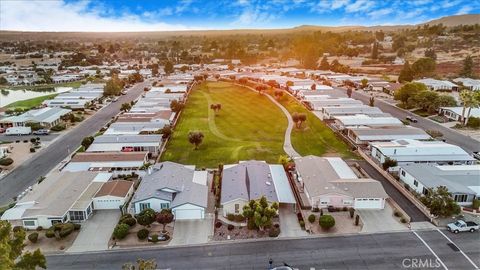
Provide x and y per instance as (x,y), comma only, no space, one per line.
(468,101)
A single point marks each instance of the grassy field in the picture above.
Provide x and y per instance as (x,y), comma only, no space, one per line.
(314,138)
(29,103)
(40,87)
(249,126)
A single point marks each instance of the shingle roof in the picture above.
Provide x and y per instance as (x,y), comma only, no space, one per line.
(109,156)
(116,188)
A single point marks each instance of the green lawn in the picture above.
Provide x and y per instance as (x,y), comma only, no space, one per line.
(27,104)
(315,137)
(249,126)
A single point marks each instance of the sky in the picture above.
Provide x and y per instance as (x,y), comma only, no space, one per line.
(169,15)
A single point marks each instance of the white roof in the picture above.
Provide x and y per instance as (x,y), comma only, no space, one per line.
(200,177)
(282,185)
(474,112)
(341,168)
(365,120)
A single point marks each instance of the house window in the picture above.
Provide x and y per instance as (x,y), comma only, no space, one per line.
(403,173)
(164,205)
(415,183)
(237,208)
(77,215)
(29,223)
(55,221)
(144,206)
(461,197)
(425,191)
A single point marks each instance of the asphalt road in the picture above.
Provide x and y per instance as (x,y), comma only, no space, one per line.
(451,136)
(360,251)
(415,214)
(28,173)
(45,138)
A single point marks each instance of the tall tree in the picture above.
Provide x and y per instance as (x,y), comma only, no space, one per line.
(408,91)
(406,74)
(195,138)
(440,202)
(467,70)
(11,248)
(469,101)
(164,217)
(423,67)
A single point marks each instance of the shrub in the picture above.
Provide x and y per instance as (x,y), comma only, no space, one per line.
(351,211)
(50,234)
(239,218)
(397,214)
(33,237)
(77,226)
(17,228)
(154,238)
(403,220)
(66,229)
(345,208)
(230,227)
(476,204)
(125,216)
(231,217)
(129,221)
(321,212)
(273,232)
(58,127)
(142,234)
(39,228)
(218,224)
(302,224)
(357,220)
(311,218)
(251,224)
(316,210)
(6,161)
(326,222)
(121,231)
(473,122)
(32,150)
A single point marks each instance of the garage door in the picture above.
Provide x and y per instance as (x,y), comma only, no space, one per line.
(188,214)
(368,203)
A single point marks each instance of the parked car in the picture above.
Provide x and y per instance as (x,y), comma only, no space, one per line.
(462,226)
(41,132)
(18,131)
(411,119)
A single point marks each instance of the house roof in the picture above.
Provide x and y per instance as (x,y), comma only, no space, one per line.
(457,178)
(116,188)
(175,177)
(128,139)
(45,115)
(249,180)
(389,133)
(109,157)
(365,120)
(332,175)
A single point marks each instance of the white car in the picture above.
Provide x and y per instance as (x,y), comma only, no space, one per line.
(462,226)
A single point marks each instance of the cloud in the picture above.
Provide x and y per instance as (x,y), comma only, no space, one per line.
(360,5)
(380,12)
(253,16)
(449,3)
(464,10)
(78,16)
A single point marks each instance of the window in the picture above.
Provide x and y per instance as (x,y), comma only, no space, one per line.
(461,197)
(77,215)
(403,173)
(55,221)
(425,191)
(144,206)
(164,205)
(29,223)
(415,183)
(237,208)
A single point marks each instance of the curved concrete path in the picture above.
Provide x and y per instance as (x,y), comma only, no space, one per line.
(287,143)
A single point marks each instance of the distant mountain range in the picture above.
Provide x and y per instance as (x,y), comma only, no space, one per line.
(448,21)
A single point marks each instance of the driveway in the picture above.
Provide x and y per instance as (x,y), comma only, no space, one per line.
(380,220)
(190,232)
(96,231)
(289,226)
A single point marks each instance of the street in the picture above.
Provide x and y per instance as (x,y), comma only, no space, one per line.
(451,136)
(29,172)
(362,251)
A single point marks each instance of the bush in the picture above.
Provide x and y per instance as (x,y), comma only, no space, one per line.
(397,214)
(311,218)
(351,211)
(77,226)
(321,212)
(239,218)
(251,224)
(142,234)
(476,204)
(33,237)
(302,224)
(6,161)
(154,238)
(121,231)
(66,229)
(39,228)
(50,234)
(32,150)
(357,220)
(58,127)
(125,216)
(129,221)
(218,224)
(230,227)
(473,122)
(17,228)
(326,222)
(231,217)
(316,210)
(273,232)
(403,220)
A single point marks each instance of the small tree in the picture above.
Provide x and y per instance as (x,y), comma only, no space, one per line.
(364,83)
(326,222)
(278,94)
(146,217)
(299,118)
(176,106)
(440,202)
(195,138)
(87,141)
(216,107)
(259,213)
(389,163)
(164,217)
(311,218)
(125,107)
(121,231)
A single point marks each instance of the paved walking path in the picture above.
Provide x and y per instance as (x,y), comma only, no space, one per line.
(287,143)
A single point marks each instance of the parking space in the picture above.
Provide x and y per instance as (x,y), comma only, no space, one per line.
(96,231)
(193,231)
(289,226)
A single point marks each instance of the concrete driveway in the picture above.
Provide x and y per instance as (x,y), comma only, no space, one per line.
(380,220)
(96,231)
(194,231)
(289,226)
